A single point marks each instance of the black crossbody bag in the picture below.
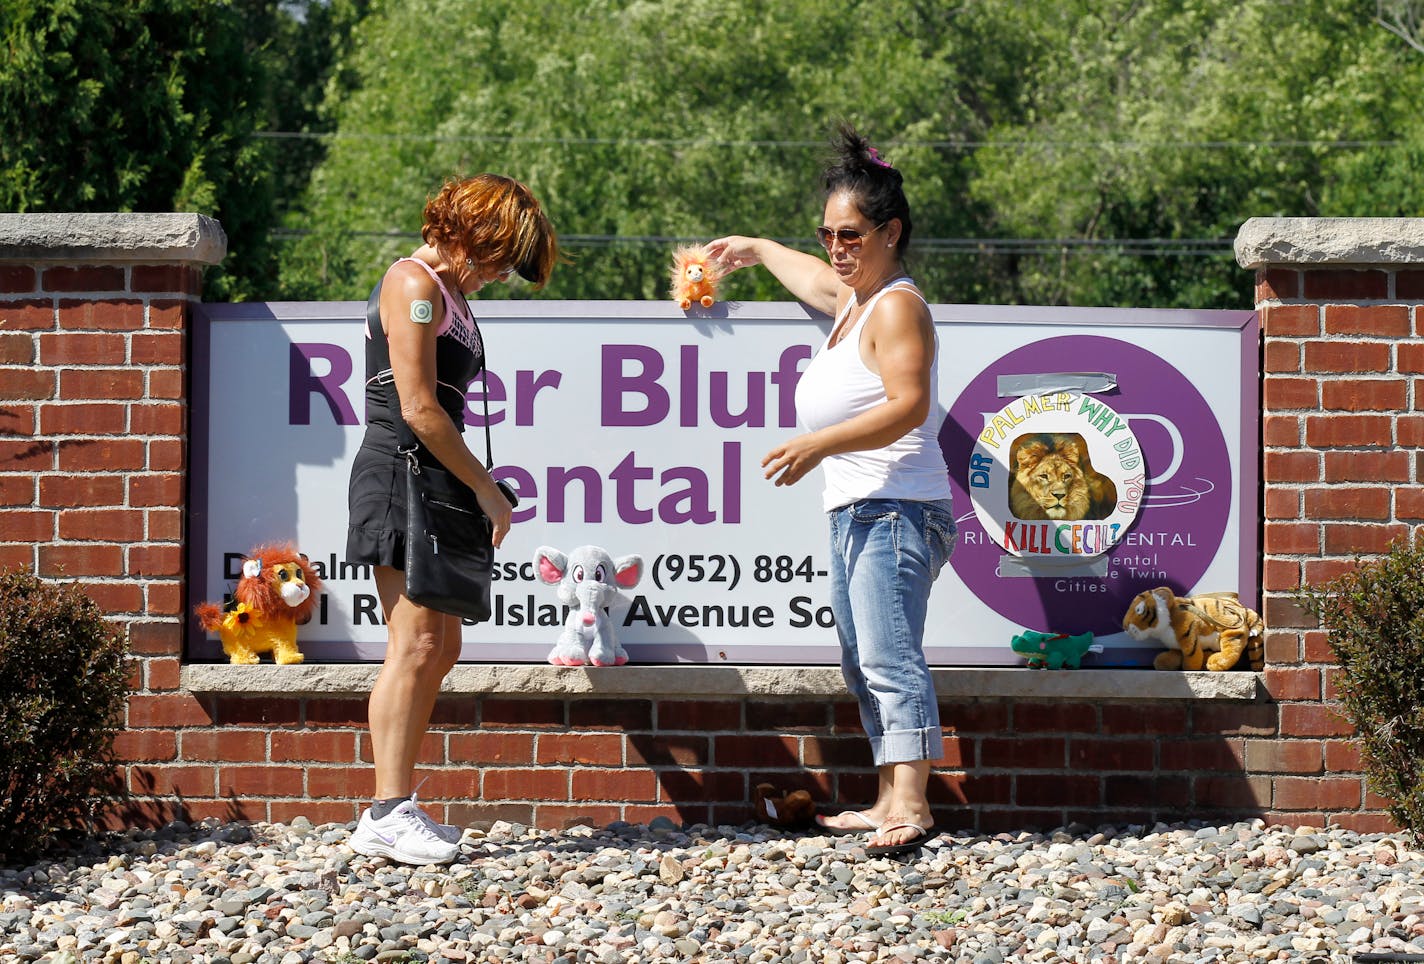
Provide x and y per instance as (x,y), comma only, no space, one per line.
(448,549)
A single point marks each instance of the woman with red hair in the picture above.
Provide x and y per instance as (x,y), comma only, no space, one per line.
(422,343)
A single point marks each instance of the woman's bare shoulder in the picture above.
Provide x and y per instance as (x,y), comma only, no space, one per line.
(903,305)
(409,278)
(910,293)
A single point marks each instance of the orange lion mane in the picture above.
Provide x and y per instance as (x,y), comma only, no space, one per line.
(262,593)
(687,291)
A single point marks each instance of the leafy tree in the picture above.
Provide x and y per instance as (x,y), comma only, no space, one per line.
(150,105)
(1103,152)
(640,124)
(1078,151)
(1178,121)
(1382,179)
(1404,19)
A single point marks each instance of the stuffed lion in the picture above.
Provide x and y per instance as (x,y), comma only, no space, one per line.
(694,277)
(1190,627)
(277,592)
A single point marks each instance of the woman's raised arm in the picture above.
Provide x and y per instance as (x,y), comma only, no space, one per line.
(804,275)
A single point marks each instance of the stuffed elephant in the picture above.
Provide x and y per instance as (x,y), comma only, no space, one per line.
(589,580)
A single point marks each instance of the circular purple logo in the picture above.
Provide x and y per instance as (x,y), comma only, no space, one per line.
(1184,481)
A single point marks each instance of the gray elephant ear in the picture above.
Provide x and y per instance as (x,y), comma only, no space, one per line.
(550,565)
(629,570)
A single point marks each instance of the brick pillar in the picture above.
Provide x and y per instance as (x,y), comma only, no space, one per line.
(1340,303)
(94,315)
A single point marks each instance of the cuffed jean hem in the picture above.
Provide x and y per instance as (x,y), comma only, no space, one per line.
(908,746)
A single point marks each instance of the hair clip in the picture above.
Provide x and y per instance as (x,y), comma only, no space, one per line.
(877,159)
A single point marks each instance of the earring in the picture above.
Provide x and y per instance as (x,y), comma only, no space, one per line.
(469,262)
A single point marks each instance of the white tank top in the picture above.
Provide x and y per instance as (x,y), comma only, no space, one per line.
(837,386)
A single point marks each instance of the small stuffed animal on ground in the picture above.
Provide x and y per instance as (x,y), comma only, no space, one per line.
(694,277)
(790,811)
(1053,650)
(589,580)
(277,592)
(1190,627)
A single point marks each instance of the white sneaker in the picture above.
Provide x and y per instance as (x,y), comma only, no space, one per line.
(445,831)
(406,834)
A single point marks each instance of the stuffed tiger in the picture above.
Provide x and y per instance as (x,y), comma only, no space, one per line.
(1193,626)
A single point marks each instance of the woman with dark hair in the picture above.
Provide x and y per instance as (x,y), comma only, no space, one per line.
(422,343)
(869,400)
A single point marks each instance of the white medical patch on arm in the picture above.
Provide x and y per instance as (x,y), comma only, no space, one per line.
(422,312)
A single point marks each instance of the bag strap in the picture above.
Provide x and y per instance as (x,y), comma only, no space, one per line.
(406,442)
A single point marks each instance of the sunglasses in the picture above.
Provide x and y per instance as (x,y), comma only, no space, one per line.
(502,276)
(849,238)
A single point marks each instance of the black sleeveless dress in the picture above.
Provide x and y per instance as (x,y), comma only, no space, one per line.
(375,498)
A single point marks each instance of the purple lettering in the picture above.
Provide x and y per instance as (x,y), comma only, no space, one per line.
(491,389)
(694,494)
(626,477)
(527,385)
(785,377)
(684,496)
(753,416)
(687,389)
(303,382)
(616,384)
(559,479)
(731,482)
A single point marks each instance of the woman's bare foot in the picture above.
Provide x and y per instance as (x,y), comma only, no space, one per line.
(910,819)
(850,821)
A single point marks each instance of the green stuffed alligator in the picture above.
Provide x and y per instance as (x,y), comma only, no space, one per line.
(1054,650)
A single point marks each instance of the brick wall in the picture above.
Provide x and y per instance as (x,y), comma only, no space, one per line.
(1341,432)
(554,762)
(93,423)
(94,417)
(93,439)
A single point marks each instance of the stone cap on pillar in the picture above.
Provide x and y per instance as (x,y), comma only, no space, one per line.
(1329,242)
(118,237)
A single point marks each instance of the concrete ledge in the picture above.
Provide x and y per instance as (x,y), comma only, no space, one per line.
(1329,242)
(147,238)
(723,682)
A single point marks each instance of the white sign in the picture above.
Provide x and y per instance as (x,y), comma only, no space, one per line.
(640,428)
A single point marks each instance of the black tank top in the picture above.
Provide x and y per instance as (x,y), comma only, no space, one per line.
(459,358)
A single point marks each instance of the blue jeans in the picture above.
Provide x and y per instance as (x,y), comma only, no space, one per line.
(885,555)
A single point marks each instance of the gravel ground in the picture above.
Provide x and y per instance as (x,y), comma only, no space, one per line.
(285,894)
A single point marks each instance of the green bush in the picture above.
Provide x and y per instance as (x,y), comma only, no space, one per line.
(63,688)
(1374,615)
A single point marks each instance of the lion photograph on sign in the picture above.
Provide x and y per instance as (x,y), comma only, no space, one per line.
(1053,478)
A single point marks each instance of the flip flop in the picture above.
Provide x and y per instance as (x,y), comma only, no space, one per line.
(922,835)
(847,831)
